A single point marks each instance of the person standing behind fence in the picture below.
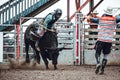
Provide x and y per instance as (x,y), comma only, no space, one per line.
(107,24)
(93,25)
(118,27)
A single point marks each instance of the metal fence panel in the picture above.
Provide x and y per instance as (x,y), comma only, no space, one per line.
(8,41)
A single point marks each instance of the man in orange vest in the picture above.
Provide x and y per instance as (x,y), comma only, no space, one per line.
(107,24)
(93,25)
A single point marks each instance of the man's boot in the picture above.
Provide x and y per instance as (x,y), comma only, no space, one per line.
(104,62)
(97,68)
(97,56)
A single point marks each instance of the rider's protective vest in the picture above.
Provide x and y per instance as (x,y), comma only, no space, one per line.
(50,20)
(106,28)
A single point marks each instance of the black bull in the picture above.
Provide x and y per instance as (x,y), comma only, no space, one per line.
(48,45)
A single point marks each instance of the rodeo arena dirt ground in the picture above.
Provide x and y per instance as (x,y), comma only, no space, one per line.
(34,71)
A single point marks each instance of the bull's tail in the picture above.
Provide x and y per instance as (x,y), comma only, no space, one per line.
(56,49)
(60,49)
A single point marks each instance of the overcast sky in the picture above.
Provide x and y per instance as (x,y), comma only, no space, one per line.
(63,5)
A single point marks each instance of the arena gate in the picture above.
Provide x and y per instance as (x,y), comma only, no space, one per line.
(66,37)
(87,42)
(8,44)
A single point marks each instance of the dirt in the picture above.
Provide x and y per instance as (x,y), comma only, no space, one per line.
(64,72)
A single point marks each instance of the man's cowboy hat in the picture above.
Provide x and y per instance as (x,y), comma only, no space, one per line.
(109,11)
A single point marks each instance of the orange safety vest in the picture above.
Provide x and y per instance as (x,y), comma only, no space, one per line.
(106,28)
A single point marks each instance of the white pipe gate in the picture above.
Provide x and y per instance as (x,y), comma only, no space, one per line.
(66,36)
(8,43)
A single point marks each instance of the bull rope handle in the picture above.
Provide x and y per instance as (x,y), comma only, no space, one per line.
(52,30)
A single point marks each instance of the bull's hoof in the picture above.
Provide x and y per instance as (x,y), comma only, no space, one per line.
(55,68)
(38,61)
(47,68)
(27,60)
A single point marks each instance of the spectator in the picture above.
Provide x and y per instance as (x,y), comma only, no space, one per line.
(118,27)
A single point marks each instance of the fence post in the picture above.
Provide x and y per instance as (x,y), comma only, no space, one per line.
(79,37)
(77,41)
(18,40)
